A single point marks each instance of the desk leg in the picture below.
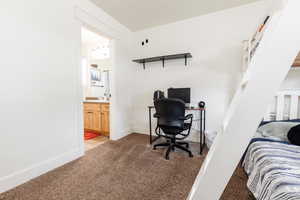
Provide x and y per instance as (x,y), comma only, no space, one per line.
(150,125)
(200,132)
(204,125)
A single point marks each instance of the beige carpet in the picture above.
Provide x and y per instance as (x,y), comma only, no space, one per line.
(93,143)
(127,169)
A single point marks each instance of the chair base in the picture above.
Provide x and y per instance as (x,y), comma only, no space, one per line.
(171,147)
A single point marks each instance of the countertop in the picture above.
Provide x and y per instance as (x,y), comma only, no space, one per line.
(95,101)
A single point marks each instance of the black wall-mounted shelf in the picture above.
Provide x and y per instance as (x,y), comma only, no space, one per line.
(164,58)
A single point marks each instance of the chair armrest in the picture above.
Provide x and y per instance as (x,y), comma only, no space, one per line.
(189,116)
(156,115)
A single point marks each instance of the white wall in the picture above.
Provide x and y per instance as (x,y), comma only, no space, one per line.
(41,123)
(215,41)
(103,65)
(292,81)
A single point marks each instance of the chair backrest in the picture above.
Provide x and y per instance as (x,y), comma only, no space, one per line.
(171,112)
(158,94)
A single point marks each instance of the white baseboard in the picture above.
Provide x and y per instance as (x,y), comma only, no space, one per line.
(25,175)
(120,134)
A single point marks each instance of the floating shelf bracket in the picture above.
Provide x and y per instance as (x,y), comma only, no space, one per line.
(184,56)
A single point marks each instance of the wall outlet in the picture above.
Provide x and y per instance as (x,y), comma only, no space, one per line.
(144,42)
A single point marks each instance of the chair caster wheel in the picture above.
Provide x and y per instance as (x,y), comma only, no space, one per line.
(191,155)
(154,148)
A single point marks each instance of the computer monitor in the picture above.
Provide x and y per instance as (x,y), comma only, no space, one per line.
(180,93)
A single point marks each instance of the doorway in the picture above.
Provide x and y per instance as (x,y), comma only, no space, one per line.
(96,85)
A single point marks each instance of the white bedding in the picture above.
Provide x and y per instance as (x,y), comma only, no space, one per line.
(275,130)
(273,169)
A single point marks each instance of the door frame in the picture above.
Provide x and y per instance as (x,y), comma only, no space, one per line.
(100,27)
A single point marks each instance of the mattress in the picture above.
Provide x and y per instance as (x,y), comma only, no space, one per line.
(273,169)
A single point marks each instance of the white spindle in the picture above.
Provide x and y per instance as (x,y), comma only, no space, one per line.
(294,107)
(280,107)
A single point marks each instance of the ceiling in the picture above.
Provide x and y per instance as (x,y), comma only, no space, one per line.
(89,37)
(141,14)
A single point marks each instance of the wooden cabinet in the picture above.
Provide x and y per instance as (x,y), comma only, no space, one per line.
(96,117)
(88,120)
(97,126)
(105,119)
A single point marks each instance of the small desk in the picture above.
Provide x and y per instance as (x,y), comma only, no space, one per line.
(202,112)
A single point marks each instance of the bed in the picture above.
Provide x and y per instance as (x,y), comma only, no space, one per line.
(285,106)
(271,162)
(273,169)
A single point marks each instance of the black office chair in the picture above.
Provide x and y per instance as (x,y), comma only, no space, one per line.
(171,123)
